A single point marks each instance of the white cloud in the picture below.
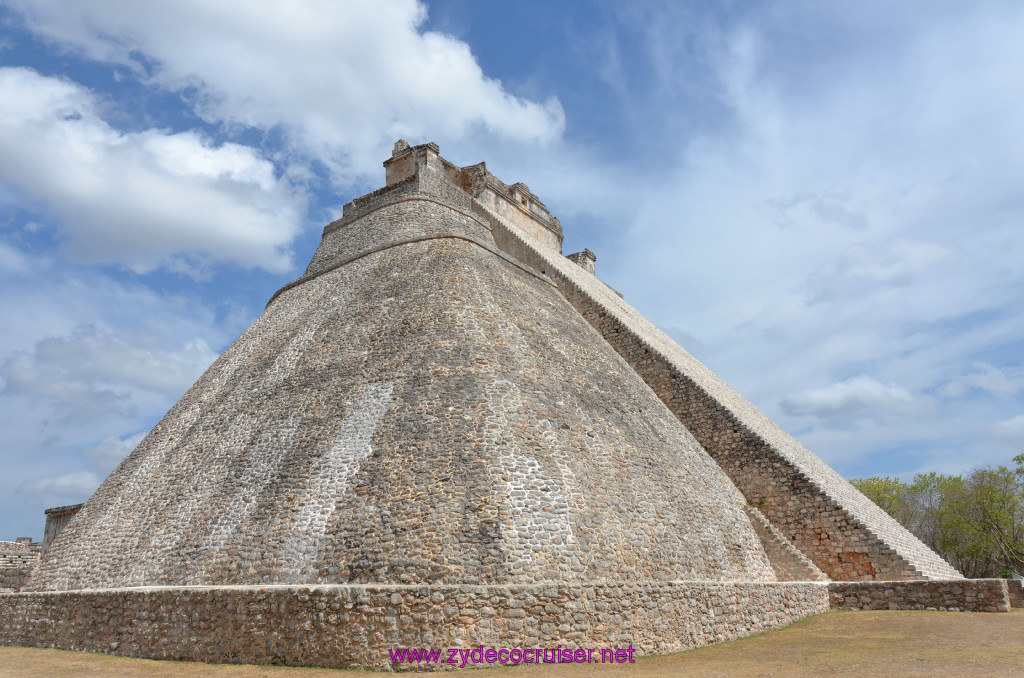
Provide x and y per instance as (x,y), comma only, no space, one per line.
(857,395)
(83,356)
(854,209)
(111,450)
(1000,382)
(864,270)
(143,199)
(92,372)
(341,80)
(12,262)
(88,362)
(1011,429)
(67,486)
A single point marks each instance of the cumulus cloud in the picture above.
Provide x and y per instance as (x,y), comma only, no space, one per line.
(341,80)
(90,359)
(76,486)
(857,395)
(142,199)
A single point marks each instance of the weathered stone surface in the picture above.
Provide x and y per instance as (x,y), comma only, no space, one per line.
(586,260)
(787,561)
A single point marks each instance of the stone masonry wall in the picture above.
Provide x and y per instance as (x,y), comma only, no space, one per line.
(841,531)
(518,215)
(958,595)
(353,626)
(515,203)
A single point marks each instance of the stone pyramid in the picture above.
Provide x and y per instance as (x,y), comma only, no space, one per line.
(448,432)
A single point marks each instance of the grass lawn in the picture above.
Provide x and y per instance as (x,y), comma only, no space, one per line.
(847,644)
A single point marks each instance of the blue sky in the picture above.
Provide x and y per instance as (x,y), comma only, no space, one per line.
(822,201)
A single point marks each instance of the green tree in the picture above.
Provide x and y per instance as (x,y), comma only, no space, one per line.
(987,512)
(976,522)
(959,541)
(925,498)
(888,493)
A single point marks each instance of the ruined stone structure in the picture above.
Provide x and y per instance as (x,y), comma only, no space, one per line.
(17,560)
(57,519)
(445,433)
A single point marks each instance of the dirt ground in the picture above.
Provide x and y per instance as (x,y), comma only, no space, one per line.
(848,644)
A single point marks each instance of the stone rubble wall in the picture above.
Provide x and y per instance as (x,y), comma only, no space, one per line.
(397,219)
(839,529)
(956,595)
(353,626)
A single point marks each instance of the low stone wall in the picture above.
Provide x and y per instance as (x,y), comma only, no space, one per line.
(954,595)
(354,626)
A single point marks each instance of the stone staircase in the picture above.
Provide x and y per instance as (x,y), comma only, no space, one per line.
(840,530)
